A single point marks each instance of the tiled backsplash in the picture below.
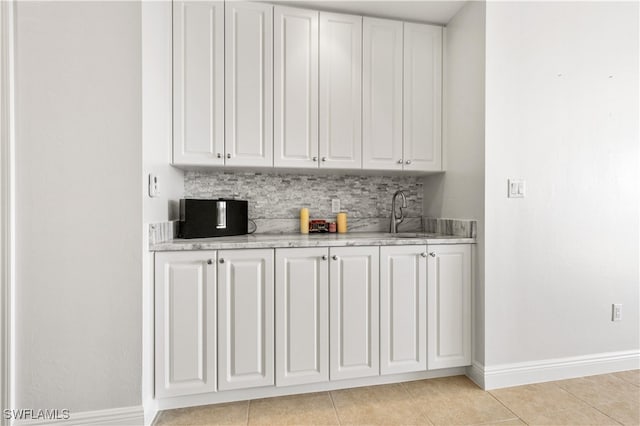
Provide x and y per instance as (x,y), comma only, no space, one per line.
(275,199)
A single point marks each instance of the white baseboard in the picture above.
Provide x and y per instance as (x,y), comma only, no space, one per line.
(507,375)
(128,416)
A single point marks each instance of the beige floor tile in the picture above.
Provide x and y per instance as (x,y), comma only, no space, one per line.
(510,422)
(306,409)
(583,416)
(219,414)
(457,401)
(631,376)
(531,400)
(600,390)
(387,404)
(626,412)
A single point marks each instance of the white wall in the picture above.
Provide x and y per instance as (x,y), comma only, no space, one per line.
(78,206)
(459,193)
(557,259)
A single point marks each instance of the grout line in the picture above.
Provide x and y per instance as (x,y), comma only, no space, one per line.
(248,408)
(585,402)
(335,410)
(505,406)
(412,398)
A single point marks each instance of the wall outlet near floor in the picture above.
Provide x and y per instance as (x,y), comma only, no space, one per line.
(335,205)
(616,312)
(516,188)
(154,185)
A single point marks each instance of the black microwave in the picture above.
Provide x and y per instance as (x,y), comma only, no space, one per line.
(202,218)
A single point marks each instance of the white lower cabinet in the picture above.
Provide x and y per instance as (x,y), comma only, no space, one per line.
(302,316)
(354,312)
(403,309)
(185,328)
(245,319)
(449,306)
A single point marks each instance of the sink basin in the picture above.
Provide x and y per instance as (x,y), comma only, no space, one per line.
(409,235)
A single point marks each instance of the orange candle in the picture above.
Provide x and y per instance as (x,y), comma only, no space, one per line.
(304,220)
(342,223)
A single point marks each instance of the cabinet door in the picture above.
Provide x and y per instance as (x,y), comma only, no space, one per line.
(249,84)
(185,329)
(302,316)
(354,312)
(422,97)
(340,91)
(382,94)
(295,87)
(245,318)
(449,306)
(403,309)
(198,82)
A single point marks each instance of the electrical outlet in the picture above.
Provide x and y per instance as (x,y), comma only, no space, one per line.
(335,205)
(616,312)
(154,185)
(516,188)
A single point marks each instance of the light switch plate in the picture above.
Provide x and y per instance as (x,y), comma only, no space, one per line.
(516,188)
(335,205)
(154,185)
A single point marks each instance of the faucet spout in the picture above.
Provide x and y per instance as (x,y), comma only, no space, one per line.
(395,220)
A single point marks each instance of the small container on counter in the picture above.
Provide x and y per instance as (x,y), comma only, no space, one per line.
(332,227)
(342,223)
(304,220)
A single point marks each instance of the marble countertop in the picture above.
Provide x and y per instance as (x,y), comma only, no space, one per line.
(311,240)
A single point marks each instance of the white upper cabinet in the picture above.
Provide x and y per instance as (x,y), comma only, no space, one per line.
(198,82)
(449,306)
(403,309)
(382,94)
(185,328)
(340,91)
(302,315)
(245,319)
(249,84)
(295,87)
(422,97)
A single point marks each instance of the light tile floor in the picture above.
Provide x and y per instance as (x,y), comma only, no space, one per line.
(609,399)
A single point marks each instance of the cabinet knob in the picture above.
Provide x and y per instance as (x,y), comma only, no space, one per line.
(400,161)
(324,158)
(432,254)
(423,254)
(221,260)
(324,257)
(335,257)
(209,262)
(219,155)
(228,155)
(315,158)
(407,162)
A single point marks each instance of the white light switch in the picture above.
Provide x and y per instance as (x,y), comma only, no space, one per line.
(154,185)
(516,188)
(335,205)
(616,312)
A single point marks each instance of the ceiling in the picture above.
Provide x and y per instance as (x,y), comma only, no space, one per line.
(433,12)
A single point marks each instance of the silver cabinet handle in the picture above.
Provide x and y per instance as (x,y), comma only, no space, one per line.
(209,262)
(228,155)
(324,158)
(315,158)
(324,257)
(221,260)
(400,161)
(408,162)
(335,257)
(432,254)
(423,254)
(219,155)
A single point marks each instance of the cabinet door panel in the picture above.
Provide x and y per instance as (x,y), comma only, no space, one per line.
(249,84)
(449,306)
(185,355)
(296,88)
(382,94)
(302,316)
(354,312)
(245,322)
(422,97)
(340,91)
(403,309)
(198,82)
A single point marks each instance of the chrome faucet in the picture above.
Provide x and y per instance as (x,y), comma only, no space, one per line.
(394,220)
